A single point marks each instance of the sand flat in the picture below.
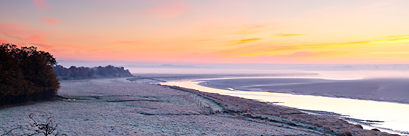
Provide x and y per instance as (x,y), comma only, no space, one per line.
(377,89)
(120,107)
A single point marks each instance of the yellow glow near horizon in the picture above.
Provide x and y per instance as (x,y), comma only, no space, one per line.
(358,32)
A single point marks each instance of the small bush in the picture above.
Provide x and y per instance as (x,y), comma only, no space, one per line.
(359,126)
(375,129)
(345,132)
(47,129)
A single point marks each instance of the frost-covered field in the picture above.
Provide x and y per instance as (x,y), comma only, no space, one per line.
(120,107)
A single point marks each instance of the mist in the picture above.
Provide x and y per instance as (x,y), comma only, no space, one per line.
(327,71)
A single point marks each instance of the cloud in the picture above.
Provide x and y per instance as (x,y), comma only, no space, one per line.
(42,5)
(22,33)
(3,41)
(50,21)
(45,46)
(58,51)
(312,55)
(288,35)
(245,40)
(301,54)
(389,37)
(272,50)
(168,9)
(387,53)
(78,52)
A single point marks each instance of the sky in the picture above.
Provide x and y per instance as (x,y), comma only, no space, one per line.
(212,31)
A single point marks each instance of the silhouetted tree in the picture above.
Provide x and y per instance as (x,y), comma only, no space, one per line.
(12,81)
(26,74)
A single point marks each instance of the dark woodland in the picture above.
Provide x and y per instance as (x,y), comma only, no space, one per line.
(26,74)
(86,72)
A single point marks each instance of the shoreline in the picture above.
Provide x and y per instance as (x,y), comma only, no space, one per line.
(368,123)
(286,115)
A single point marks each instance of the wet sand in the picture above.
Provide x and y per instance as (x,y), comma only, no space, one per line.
(382,89)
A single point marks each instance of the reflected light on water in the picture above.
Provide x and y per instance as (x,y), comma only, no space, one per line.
(394,115)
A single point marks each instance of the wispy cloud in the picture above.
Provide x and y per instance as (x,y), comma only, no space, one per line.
(58,51)
(271,50)
(316,55)
(388,37)
(45,46)
(386,53)
(42,5)
(22,33)
(3,41)
(50,21)
(243,41)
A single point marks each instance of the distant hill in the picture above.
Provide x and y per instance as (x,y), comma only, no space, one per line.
(74,72)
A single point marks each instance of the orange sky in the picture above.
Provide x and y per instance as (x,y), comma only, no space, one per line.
(212,31)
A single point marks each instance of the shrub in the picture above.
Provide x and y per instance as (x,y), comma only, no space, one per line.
(374,129)
(345,132)
(48,128)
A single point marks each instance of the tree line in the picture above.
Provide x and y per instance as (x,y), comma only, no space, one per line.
(74,72)
(26,75)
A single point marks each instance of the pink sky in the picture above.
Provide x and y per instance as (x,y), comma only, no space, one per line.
(212,31)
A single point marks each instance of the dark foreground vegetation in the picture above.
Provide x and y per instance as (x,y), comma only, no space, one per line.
(86,72)
(26,75)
